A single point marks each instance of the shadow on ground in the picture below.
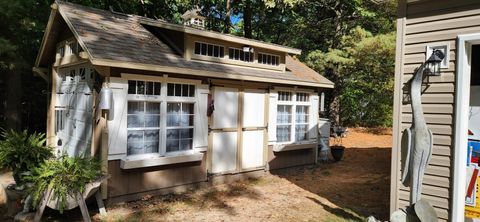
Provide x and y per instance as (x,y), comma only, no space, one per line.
(360,182)
(217,197)
(150,208)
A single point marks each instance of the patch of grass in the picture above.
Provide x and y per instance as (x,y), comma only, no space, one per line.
(338,214)
(258,181)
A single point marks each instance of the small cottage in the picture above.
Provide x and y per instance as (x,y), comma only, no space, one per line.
(170,106)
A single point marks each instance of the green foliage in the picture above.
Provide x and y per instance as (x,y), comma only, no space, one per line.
(316,26)
(364,68)
(22,152)
(64,177)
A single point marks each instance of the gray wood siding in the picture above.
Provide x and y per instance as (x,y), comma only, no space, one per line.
(424,23)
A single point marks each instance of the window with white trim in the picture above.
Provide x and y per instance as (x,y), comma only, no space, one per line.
(179,126)
(239,54)
(144,117)
(143,127)
(301,123)
(268,59)
(211,50)
(181,90)
(143,87)
(302,97)
(284,123)
(292,117)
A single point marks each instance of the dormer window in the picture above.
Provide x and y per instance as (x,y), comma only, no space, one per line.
(240,54)
(211,50)
(268,59)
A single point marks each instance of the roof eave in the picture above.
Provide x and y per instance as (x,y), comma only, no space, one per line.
(211,74)
(46,34)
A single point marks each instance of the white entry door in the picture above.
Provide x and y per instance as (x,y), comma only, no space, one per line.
(253,129)
(224,130)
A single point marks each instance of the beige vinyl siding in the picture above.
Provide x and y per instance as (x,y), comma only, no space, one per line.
(430,22)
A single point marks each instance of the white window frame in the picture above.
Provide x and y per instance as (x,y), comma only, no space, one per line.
(252,58)
(270,54)
(144,98)
(294,103)
(179,99)
(163,99)
(307,123)
(213,56)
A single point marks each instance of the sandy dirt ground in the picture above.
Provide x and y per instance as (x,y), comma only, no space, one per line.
(349,190)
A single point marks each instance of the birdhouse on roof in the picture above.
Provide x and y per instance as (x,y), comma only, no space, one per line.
(193,18)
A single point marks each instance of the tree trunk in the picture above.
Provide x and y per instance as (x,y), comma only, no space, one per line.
(334,112)
(226,27)
(14,95)
(335,102)
(247,19)
(335,108)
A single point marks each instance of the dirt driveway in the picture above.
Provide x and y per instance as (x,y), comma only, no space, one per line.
(349,190)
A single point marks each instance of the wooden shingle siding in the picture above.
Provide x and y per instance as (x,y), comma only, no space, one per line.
(430,22)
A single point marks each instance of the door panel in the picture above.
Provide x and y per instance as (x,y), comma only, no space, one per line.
(253,128)
(253,109)
(224,152)
(226,108)
(225,118)
(252,149)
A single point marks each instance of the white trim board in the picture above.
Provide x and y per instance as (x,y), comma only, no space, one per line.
(462,98)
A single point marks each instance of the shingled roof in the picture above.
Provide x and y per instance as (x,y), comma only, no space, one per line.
(117,40)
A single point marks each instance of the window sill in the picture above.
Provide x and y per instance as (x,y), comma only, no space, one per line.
(293,146)
(141,161)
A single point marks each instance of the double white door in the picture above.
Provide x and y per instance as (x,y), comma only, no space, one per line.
(238,130)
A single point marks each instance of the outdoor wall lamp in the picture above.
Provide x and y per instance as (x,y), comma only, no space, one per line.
(433,63)
(247,49)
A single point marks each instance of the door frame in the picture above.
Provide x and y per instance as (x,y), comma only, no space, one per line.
(462,98)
